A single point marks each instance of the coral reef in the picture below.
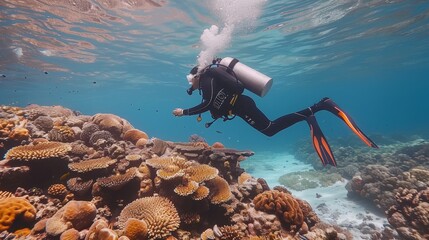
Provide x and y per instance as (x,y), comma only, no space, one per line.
(72,176)
(410,214)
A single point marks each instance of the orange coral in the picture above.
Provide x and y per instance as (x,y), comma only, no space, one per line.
(19,134)
(218,145)
(42,150)
(136,229)
(282,204)
(133,135)
(13,208)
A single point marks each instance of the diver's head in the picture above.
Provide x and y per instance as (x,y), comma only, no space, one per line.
(193,79)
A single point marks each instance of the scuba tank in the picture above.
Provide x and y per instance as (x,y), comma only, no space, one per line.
(252,80)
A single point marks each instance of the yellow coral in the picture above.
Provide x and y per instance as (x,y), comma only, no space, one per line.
(243,177)
(187,187)
(42,150)
(220,191)
(19,134)
(159,214)
(14,208)
(201,193)
(201,172)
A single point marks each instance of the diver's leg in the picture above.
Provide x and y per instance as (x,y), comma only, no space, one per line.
(329,105)
(246,108)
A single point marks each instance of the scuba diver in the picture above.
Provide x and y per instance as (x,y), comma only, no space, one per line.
(222,84)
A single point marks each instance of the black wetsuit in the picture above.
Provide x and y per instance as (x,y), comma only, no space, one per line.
(219,88)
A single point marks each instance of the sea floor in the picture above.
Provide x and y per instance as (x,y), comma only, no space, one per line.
(330,203)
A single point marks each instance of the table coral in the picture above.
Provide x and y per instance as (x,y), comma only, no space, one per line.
(42,150)
(91,165)
(14,208)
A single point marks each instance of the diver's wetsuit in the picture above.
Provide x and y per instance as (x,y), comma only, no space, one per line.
(218,88)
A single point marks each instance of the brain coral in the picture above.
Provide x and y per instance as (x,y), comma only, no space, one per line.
(282,204)
(112,123)
(158,212)
(133,135)
(14,208)
(91,165)
(42,150)
(75,214)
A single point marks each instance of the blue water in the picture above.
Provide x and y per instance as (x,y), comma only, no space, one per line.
(371,57)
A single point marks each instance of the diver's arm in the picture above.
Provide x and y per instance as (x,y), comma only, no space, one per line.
(200,108)
(208,93)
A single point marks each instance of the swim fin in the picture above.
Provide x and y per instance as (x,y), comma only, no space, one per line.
(320,143)
(331,106)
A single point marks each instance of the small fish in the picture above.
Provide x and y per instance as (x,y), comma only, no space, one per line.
(65,176)
(218,131)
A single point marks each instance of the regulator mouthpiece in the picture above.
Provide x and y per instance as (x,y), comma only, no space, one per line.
(189,77)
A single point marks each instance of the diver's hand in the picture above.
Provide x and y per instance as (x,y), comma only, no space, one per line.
(178,112)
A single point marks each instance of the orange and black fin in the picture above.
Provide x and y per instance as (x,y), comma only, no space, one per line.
(330,106)
(320,143)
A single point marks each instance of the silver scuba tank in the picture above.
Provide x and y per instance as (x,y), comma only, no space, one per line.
(252,80)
